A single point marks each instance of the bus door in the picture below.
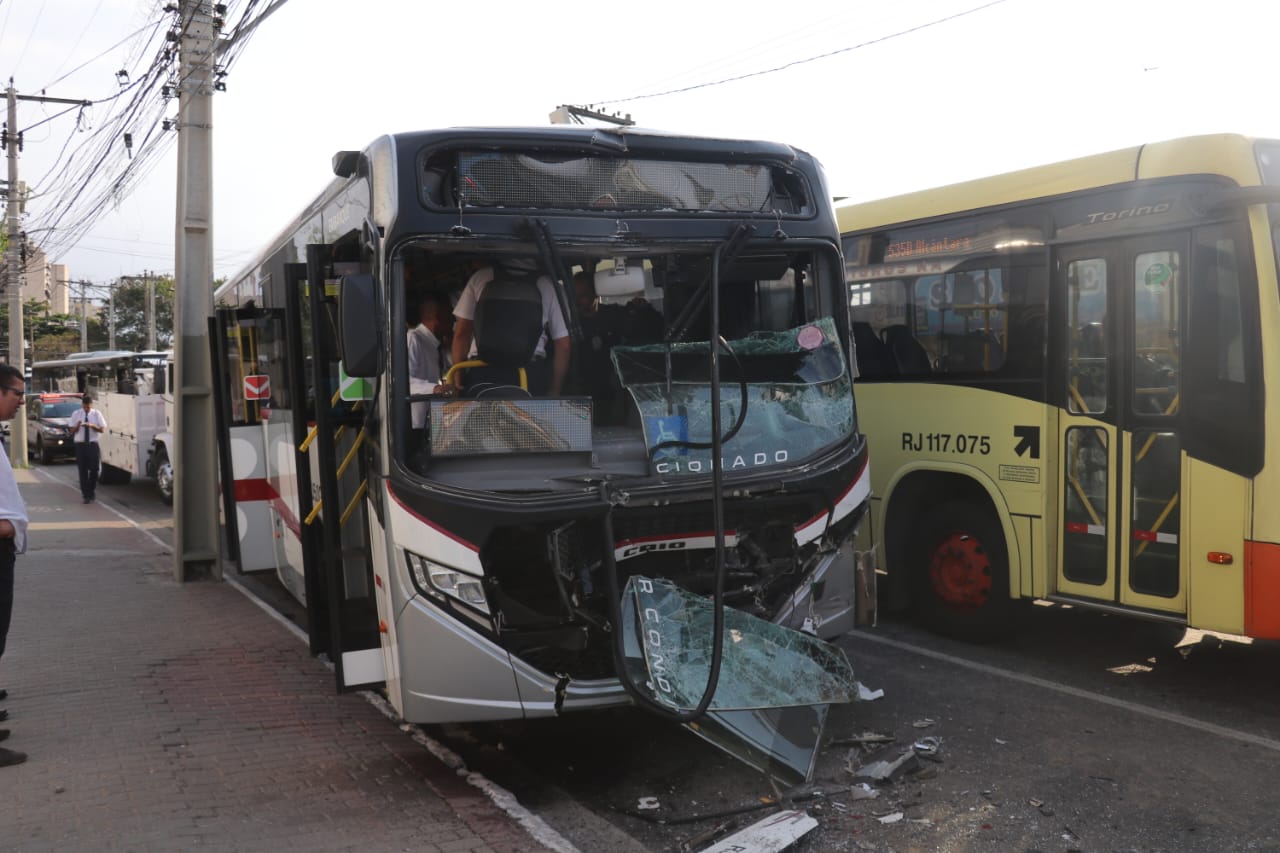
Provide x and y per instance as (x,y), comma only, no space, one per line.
(243,403)
(341,603)
(1121,309)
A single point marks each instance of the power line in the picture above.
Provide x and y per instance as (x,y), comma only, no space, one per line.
(99,56)
(796,62)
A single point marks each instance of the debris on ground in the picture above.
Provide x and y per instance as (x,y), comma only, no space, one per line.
(647,803)
(865,739)
(768,835)
(863,791)
(928,748)
(867,695)
(924,723)
(879,771)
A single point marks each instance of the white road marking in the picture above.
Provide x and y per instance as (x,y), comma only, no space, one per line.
(1079,693)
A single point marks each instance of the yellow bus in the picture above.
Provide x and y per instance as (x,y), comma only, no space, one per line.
(1063,375)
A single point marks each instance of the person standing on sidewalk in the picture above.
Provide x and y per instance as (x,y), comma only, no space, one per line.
(13,530)
(86,426)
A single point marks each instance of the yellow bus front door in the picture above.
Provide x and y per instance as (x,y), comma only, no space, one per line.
(1118,438)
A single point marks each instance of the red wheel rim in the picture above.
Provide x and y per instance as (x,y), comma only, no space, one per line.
(960,571)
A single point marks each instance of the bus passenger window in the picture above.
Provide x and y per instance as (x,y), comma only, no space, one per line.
(874,360)
(909,355)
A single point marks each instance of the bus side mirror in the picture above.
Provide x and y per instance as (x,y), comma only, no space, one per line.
(358,326)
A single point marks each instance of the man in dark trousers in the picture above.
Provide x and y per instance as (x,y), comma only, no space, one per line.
(13,530)
(86,426)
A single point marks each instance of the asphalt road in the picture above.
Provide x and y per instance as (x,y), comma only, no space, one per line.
(1087,732)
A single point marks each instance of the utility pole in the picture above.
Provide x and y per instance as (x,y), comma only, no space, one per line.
(195,506)
(11,139)
(111,315)
(84,315)
(13,286)
(151,310)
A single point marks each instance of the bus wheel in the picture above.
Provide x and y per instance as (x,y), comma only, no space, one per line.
(164,476)
(960,574)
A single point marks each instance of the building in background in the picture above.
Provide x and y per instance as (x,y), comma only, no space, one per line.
(43,281)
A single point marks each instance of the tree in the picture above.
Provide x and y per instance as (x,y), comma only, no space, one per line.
(53,335)
(131,313)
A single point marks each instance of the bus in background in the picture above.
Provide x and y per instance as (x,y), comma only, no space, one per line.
(133,391)
(493,557)
(1063,374)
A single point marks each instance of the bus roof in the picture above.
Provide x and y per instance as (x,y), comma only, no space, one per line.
(1226,154)
(619,141)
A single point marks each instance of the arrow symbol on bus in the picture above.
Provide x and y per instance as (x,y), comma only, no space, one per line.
(1028,439)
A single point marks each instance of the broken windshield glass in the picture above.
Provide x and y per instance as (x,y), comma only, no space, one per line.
(782,742)
(669,644)
(502,179)
(798,397)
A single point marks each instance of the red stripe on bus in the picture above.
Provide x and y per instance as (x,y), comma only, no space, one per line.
(255,489)
(1077,527)
(437,528)
(1262,590)
(1145,535)
(853,484)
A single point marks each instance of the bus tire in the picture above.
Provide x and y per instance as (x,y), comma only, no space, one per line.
(110,475)
(164,476)
(960,573)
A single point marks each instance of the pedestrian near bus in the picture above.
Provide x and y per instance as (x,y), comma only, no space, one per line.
(13,531)
(87,425)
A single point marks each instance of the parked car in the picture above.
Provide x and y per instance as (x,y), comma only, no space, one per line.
(48,433)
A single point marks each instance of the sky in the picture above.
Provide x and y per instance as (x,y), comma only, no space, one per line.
(891,97)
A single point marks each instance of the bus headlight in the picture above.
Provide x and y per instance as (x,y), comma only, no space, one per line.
(443,583)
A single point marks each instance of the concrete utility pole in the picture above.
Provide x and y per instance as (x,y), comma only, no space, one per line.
(151,309)
(84,316)
(195,506)
(13,273)
(12,140)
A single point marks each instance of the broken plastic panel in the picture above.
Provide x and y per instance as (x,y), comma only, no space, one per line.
(668,647)
(798,397)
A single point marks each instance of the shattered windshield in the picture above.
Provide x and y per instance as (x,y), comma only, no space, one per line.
(668,651)
(501,179)
(798,397)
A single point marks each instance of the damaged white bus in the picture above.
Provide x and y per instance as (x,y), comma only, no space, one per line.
(675,528)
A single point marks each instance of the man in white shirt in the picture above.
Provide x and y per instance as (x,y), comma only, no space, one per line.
(13,530)
(87,424)
(553,327)
(429,358)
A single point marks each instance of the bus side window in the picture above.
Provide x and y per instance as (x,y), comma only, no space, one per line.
(909,355)
(874,360)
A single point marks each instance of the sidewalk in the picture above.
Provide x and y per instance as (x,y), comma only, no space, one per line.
(166,716)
